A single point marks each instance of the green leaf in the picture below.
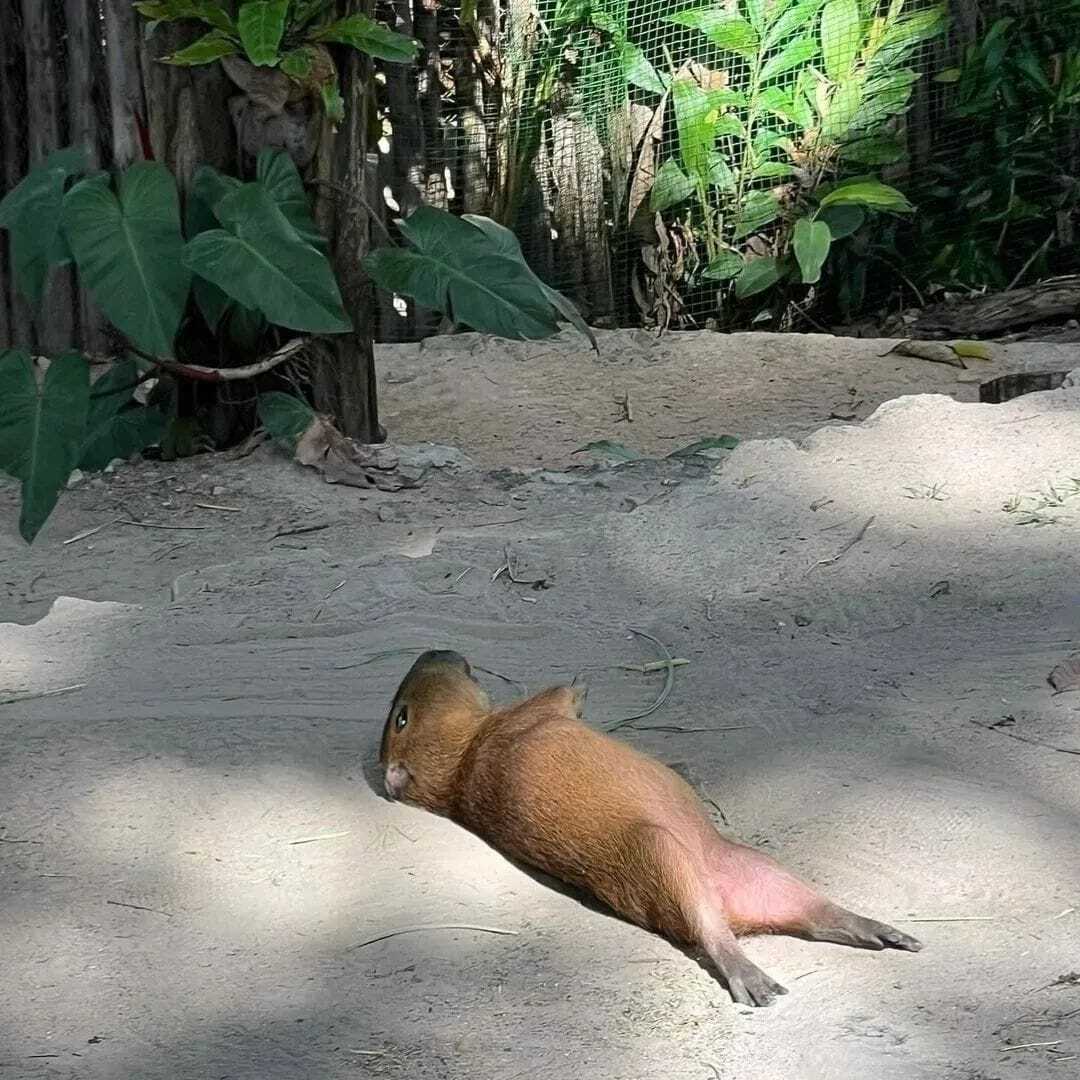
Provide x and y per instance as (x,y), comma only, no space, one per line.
(759,275)
(206,50)
(759,209)
(298,63)
(211,187)
(703,446)
(843,219)
(844,104)
(695,118)
(454,269)
(729,124)
(278,174)
(263,264)
(779,103)
(333,102)
(612,451)
(306,11)
(720,175)
(772,170)
(727,32)
(262,25)
(31,212)
(207,11)
(811,240)
(874,150)
(504,242)
(285,417)
(639,71)
(41,432)
(841,37)
(370,37)
(670,187)
(128,248)
(755,10)
(905,34)
(724,267)
(796,20)
(116,428)
(871,194)
(793,55)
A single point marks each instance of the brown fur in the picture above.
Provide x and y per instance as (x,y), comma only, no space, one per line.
(542,787)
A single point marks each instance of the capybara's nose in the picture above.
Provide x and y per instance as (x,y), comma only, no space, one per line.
(396,780)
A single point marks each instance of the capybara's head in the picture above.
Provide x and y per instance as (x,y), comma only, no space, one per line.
(435,711)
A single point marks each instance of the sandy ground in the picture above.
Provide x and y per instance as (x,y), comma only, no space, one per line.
(193,857)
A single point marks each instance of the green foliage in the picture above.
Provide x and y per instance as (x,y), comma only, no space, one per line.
(41,430)
(471,272)
(994,193)
(285,417)
(116,425)
(286,34)
(806,101)
(128,245)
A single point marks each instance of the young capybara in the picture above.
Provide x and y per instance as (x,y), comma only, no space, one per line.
(545,789)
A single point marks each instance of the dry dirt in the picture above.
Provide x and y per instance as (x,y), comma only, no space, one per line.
(194,854)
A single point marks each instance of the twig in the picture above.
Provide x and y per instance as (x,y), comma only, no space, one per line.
(848,546)
(808,317)
(86,534)
(139,907)
(950,918)
(33,695)
(313,839)
(1028,1046)
(488,524)
(437,926)
(300,530)
(507,568)
(1027,266)
(1025,739)
(208,374)
(214,506)
(154,525)
(665,693)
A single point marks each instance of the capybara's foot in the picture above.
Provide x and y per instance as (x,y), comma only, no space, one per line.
(835,924)
(748,984)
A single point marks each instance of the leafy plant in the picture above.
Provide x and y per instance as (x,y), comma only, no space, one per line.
(1000,189)
(291,35)
(782,120)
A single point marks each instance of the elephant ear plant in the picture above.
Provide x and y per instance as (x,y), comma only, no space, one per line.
(782,122)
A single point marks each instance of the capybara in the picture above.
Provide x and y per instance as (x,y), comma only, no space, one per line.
(545,789)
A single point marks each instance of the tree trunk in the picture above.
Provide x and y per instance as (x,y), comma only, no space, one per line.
(343,379)
(16,329)
(127,108)
(41,33)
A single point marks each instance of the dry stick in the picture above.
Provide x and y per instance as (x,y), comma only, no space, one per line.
(85,535)
(1025,739)
(1028,1046)
(33,695)
(154,525)
(848,546)
(1027,266)
(214,506)
(314,839)
(665,693)
(950,918)
(437,926)
(139,907)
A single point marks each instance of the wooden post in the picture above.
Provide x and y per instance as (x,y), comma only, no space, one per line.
(42,116)
(127,108)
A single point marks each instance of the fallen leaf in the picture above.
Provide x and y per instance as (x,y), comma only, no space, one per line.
(1066,676)
(933,351)
(976,350)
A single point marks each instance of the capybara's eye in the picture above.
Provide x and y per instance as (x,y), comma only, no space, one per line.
(402,718)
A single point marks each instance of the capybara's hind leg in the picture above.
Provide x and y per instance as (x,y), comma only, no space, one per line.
(830,922)
(670,893)
(762,897)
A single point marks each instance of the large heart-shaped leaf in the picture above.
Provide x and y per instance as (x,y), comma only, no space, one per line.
(31,212)
(504,242)
(262,25)
(259,261)
(41,432)
(759,275)
(455,270)
(277,172)
(285,417)
(129,249)
(370,37)
(811,240)
(115,426)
